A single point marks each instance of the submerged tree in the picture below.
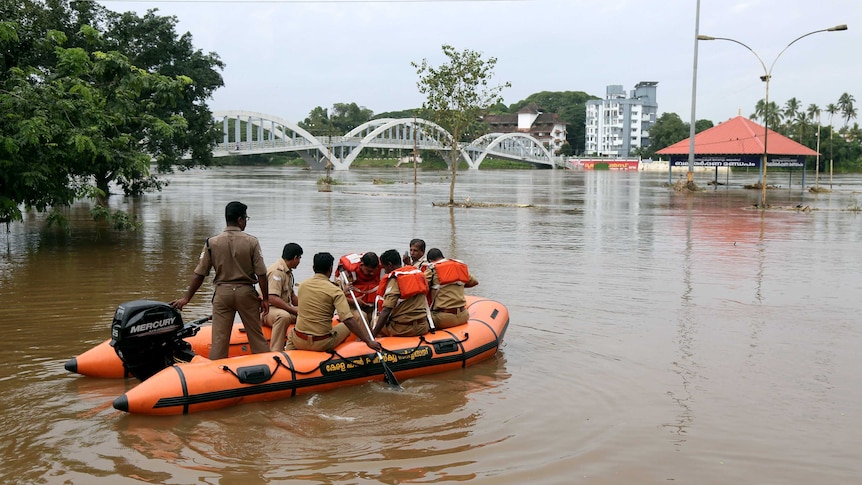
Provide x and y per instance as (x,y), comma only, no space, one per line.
(89,97)
(457,94)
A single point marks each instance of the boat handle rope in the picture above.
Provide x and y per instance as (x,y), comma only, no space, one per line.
(279,363)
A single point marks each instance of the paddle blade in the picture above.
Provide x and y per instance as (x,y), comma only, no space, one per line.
(389,376)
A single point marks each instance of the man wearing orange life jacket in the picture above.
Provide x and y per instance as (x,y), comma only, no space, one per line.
(363,274)
(447,279)
(405,294)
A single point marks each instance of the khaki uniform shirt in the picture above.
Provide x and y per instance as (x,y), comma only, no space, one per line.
(319,298)
(408,310)
(449,296)
(235,255)
(280,281)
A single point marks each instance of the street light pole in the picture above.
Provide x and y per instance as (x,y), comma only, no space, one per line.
(691,128)
(767,75)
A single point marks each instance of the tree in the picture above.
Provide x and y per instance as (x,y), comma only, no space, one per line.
(570,106)
(791,109)
(317,123)
(76,113)
(769,115)
(667,130)
(346,117)
(845,105)
(457,94)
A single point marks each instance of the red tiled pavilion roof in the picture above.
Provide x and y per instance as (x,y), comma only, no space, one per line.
(737,136)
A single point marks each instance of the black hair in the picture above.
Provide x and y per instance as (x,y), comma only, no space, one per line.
(392,257)
(291,250)
(434,254)
(370,260)
(233,211)
(418,242)
(323,263)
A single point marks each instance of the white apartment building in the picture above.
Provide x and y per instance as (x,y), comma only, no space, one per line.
(618,124)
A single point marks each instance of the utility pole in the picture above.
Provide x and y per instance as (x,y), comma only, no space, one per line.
(415,152)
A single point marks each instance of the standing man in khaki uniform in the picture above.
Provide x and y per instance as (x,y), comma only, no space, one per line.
(447,279)
(238,262)
(319,299)
(404,300)
(282,299)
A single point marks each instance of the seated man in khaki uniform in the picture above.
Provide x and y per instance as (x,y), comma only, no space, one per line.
(319,298)
(282,298)
(404,299)
(447,279)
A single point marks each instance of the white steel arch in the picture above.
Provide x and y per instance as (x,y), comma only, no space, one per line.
(432,142)
(510,145)
(256,119)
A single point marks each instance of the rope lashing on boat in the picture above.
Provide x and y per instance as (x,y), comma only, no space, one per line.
(279,363)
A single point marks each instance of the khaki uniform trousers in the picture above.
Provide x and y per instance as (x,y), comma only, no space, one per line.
(280,320)
(339,334)
(447,320)
(412,329)
(229,299)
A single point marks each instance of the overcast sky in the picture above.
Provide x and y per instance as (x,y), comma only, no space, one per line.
(285,57)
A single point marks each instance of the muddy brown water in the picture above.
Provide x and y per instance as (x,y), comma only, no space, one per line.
(655,337)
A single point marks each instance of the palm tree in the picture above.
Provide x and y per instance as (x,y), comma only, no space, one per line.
(801,122)
(845,105)
(770,116)
(791,107)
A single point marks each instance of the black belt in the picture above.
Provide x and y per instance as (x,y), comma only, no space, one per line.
(314,338)
(450,310)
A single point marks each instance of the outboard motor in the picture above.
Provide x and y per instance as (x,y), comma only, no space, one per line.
(148,337)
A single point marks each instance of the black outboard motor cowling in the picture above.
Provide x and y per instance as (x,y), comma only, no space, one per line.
(147,336)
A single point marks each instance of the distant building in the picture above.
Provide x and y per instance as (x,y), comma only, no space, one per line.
(548,128)
(618,124)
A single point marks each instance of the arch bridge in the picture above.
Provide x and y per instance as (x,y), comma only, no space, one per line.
(249,132)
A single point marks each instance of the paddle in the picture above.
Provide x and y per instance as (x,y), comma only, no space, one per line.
(389,376)
(428,314)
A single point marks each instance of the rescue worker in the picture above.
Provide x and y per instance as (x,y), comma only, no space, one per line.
(238,262)
(282,297)
(416,256)
(319,299)
(363,275)
(405,294)
(447,279)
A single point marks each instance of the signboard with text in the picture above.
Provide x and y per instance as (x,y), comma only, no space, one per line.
(738,161)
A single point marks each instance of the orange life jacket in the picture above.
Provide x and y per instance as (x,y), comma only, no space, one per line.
(450,271)
(411,281)
(367,286)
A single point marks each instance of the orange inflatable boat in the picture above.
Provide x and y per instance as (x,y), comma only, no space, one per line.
(102,360)
(206,385)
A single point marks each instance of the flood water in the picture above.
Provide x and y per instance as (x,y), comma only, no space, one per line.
(655,337)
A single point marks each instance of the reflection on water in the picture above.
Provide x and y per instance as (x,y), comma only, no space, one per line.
(654,336)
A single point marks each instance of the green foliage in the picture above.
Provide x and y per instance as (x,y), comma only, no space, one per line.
(669,129)
(345,117)
(89,97)
(457,93)
(570,106)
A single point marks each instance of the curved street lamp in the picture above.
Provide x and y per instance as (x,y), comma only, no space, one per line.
(767,75)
